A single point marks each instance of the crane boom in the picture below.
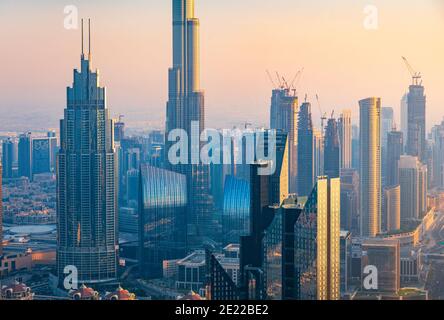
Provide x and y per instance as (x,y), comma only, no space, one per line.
(416,76)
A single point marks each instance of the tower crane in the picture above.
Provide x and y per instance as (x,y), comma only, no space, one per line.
(416,76)
(323,115)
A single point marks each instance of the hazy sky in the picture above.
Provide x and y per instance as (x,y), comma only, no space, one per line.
(240,39)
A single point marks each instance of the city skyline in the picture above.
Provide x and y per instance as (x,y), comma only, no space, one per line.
(325,49)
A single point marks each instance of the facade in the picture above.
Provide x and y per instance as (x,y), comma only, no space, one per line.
(413,182)
(370,166)
(317,243)
(437,158)
(395,146)
(404,118)
(345,260)
(284,117)
(384,254)
(332,147)
(44,151)
(416,127)
(279,252)
(392,208)
(345,139)
(386,124)
(305,151)
(220,284)
(236,211)
(87,182)
(162,218)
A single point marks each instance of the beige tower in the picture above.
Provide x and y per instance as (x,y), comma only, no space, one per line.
(392,208)
(370,166)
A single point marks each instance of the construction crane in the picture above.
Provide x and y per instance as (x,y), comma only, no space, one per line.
(294,83)
(271,79)
(323,115)
(416,76)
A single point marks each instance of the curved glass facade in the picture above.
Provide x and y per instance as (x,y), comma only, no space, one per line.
(236,214)
(162,220)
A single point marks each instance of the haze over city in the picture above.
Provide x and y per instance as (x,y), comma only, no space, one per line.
(342,61)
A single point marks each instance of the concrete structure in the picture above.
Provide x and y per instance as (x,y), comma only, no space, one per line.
(332,150)
(370,166)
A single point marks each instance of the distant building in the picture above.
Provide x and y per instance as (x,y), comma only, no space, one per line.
(345,139)
(1,213)
(284,117)
(350,200)
(8,158)
(332,150)
(370,166)
(317,243)
(404,118)
(384,254)
(318,152)
(416,126)
(43,154)
(413,182)
(392,208)
(305,151)
(25,156)
(394,151)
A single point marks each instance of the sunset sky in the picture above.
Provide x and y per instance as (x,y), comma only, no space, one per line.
(240,39)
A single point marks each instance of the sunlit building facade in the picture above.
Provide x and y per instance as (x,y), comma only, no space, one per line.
(317,243)
(370,166)
(162,218)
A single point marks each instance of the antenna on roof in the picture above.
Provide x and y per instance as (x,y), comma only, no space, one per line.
(82,39)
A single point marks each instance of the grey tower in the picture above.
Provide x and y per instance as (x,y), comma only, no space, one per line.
(306,177)
(185,106)
(416,126)
(86,181)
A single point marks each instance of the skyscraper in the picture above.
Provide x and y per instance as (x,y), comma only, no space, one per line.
(8,156)
(404,118)
(87,181)
(345,139)
(162,218)
(43,149)
(185,107)
(284,116)
(350,200)
(392,208)
(394,151)
(331,150)
(370,166)
(318,153)
(25,155)
(317,243)
(305,151)
(413,181)
(416,129)
(386,124)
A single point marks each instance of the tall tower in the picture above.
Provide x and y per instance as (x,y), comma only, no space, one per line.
(416,122)
(394,151)
(185,107)
(317,243)
(306,177)
(332,150)
(284,116)
(87,181)
(345,139)
(370,166)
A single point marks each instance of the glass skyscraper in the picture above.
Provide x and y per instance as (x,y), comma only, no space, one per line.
(162,218)
(317,243)
(87,182)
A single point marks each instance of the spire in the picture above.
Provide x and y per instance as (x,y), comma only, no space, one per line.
(82,41)
(89,39)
